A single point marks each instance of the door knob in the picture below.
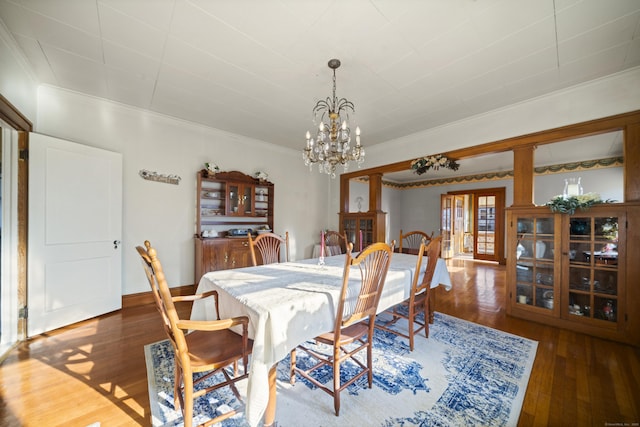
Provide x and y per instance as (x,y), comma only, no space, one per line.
(115,244)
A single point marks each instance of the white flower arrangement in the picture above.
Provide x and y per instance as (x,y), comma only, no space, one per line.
(262,176)
(434,162)
(212,168)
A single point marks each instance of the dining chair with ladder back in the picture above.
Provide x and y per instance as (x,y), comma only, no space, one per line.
(352,333)
(333,239)
(210,347)
(418,301)
(269,246)
(412,239)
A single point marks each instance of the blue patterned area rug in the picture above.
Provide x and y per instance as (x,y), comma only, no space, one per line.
(463,375)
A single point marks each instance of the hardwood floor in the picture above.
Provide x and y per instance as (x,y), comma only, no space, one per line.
(95,370)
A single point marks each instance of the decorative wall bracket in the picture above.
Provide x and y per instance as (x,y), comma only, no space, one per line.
(159,177)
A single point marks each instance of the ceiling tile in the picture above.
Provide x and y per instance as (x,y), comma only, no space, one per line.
(614,33)
(51,32)
(155,13)
(586,15)
(128,89)
(137,65)
(79,14)
(135,35)
(33,51)
(77,73)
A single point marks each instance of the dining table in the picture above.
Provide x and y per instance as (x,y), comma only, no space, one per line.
(290,303)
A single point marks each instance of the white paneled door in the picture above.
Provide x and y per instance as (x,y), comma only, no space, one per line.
(75,225)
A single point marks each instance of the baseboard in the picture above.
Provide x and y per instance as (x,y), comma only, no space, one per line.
(143,298)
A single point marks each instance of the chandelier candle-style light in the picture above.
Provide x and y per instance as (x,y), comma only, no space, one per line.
(332,144)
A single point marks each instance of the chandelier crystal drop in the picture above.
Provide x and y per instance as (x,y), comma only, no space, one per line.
(332,143)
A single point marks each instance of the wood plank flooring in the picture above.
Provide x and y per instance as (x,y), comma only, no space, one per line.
(95,371)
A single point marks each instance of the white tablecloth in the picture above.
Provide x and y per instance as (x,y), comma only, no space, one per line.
(292,302)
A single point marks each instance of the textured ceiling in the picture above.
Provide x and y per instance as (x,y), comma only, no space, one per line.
(256,68)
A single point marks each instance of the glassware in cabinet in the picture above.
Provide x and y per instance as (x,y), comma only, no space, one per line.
(535,270)
(593,267)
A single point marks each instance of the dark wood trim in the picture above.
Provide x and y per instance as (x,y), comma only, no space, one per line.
(629,123)
(23,227)
(500,193)
(13,116)
(632,163)
(550,136)
(143,298)
(523,174)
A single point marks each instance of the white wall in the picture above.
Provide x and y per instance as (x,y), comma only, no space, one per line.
(164,213)
(608,183)
(419,208)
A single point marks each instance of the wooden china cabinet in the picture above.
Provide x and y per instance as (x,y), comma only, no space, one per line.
(228,205)
(362,225)
(572,270)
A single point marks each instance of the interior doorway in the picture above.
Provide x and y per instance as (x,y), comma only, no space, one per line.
(472,224)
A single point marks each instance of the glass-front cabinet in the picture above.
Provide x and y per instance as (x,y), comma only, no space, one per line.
(241,199)
(569,270)
(360,228)
(594,271)
(535,268)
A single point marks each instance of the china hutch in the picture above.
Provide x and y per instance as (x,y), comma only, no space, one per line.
(572,270)
(229,205)
(361,228)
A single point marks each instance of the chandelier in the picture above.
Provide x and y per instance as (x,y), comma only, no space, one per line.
(332,143)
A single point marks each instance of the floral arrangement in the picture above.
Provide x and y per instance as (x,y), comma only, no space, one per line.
(568,205)
(212,168)
(262,176)
(435,162)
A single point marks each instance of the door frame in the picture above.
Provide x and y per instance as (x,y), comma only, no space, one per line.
(17,121)
(500,195)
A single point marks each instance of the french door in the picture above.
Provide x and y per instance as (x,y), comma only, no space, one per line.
(451,224)
(485,210)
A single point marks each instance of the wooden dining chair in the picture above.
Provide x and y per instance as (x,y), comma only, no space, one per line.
(334,239)
(352,334)
(199,346)
(412,239)
(269,245)
(418,300)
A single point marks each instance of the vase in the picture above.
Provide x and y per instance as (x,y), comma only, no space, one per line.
(572,187)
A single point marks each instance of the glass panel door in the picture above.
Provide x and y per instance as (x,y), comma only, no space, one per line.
(535,252)
(593,267)
(486,220)
(446,225)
